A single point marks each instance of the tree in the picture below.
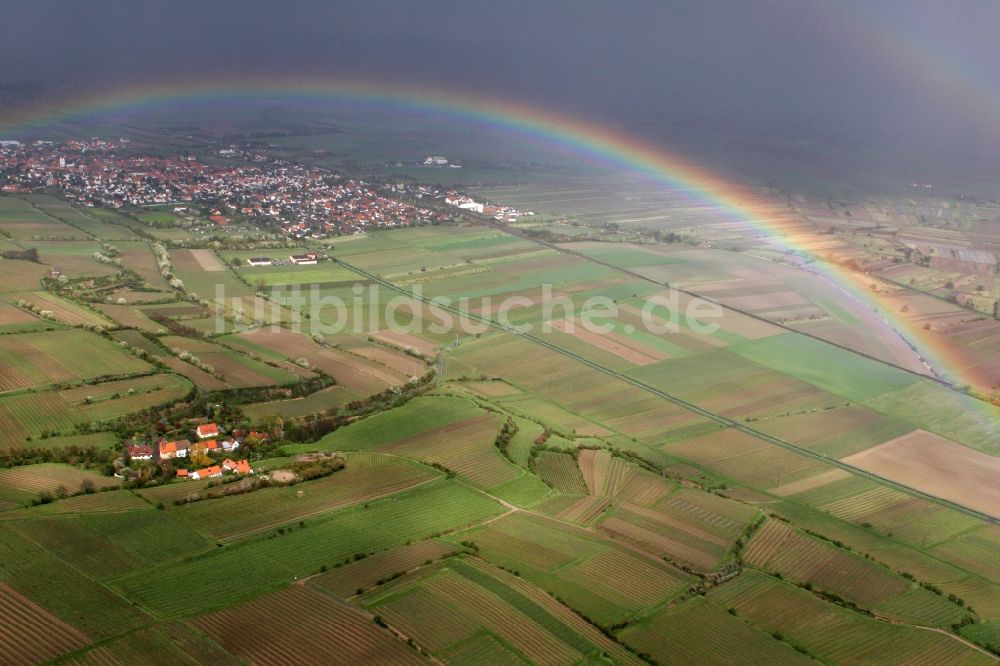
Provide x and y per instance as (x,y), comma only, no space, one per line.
(200,458)
(275,426)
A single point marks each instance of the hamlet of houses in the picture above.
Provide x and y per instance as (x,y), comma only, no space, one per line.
(209,442)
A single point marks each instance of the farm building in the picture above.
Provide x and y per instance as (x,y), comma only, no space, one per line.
(207,430)
(260,261)
(307,259)
(140,451)
(174,449)
(237,466)
(209,445)
(206,473)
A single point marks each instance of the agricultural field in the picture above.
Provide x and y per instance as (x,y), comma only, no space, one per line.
(358,375)
(689,527)
(592,574)
(458,436)
(277,559)
(31,632)
(420,415)
(346,580)
(298,624)
(698,631)
(18,275)
(21,484)
(73,258)
(80,218)
(221,287)
(314,403)
(975,550)
(18,320)
(62,309)
(110,542)
(108,500)
(613,516)
(779,548)
(30,360)
(90,439)
(232,368)
(444,608)
(831,633)
(837,432)
(326,273)
(937,466)
(949,414)
(139,257)
(23,221)
(32,414)
(560,471)
(171,642)
(235,517)
(64,591)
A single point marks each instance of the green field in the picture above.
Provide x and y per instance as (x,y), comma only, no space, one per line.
(418,415)
(465,598)
(603,580)
(30,415)
(701,632)
(31,360)
(834,635)
(225,519)
(272,561)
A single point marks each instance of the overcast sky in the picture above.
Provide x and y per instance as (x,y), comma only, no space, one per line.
(912,69)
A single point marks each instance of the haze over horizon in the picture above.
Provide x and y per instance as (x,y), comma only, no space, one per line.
(847,72)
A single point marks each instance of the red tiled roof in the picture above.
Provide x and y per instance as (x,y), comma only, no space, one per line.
(207,430)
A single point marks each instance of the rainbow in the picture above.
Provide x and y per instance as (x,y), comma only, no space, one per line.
(736,203)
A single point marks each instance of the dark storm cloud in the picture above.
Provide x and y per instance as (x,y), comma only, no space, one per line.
(767,66)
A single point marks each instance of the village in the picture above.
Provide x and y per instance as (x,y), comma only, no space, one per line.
(300,201)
